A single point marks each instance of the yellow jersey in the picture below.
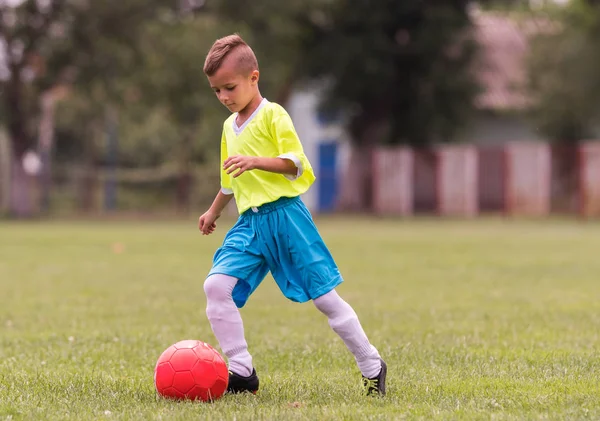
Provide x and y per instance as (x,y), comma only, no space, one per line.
(268,132)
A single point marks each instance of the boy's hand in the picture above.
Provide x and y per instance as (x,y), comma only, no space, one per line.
(239,163)
(206,223)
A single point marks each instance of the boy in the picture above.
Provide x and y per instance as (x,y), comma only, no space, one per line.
(264,167)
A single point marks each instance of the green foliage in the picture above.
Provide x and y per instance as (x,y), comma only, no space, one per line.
(564,72)
(172,81)
(398,66)
(91,45)
(172,75)
(103,56)
(400,69)
(159,90)
(101,44)
(23,31)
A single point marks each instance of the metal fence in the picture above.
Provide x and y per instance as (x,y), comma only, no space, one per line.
(516,178)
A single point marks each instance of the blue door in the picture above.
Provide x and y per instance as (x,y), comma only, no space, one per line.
(327,181)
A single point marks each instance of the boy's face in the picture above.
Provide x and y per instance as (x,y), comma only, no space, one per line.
(234,89)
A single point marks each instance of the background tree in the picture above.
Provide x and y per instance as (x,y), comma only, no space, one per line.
(90,44)
(564,76)
(400,74)
(564,73)
(173,81)
(25,31)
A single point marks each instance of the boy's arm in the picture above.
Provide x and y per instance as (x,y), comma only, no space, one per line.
(221,200)
(206,223)
(237,165)
(289,145)
(279,165)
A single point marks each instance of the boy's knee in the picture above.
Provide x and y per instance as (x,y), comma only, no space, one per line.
(219,287)
(332,305)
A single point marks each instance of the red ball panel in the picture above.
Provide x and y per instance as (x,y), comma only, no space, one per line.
(219,358)
(172,393)
(199,393)
(205,351)
(183,381)
(167,354)
(183,359)
(163,376)
(204,373)
(221,369)
(219,388)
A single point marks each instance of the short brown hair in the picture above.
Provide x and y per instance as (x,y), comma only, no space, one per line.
(223,47)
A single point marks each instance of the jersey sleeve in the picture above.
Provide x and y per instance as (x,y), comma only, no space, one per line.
(225,178)
(288,143)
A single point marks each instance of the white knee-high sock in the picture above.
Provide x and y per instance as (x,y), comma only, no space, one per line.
(344,321)
(226,322)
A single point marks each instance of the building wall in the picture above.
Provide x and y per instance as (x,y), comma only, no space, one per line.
(302,107)
(496,128)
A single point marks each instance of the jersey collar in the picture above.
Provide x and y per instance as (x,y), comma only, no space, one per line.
(239,130)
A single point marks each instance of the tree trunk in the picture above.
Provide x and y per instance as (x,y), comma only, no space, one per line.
(22,192)
(285,91)
(89,177)
(18,114)
(112,151)
(184,181)
(565,177)
(5,169)
(356,191)
(21,197)
(46,135)
(183,191)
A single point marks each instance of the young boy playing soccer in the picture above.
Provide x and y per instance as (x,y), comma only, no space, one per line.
(264,167)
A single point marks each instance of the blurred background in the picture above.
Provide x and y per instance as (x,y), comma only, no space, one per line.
(456,108)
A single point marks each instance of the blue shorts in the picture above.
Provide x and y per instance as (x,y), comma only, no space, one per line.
(280,237)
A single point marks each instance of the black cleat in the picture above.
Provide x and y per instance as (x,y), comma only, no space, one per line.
(376,385)
(240,384)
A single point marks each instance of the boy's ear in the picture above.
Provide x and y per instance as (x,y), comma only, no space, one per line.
(254,76)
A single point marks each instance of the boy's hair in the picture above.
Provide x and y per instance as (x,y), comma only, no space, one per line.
(223,47)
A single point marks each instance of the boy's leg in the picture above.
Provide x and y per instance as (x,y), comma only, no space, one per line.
(304,269)
(344,321)
(226,322)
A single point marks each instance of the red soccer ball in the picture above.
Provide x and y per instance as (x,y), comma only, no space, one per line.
(191,370)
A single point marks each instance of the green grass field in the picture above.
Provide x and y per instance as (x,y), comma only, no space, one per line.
(486,319)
